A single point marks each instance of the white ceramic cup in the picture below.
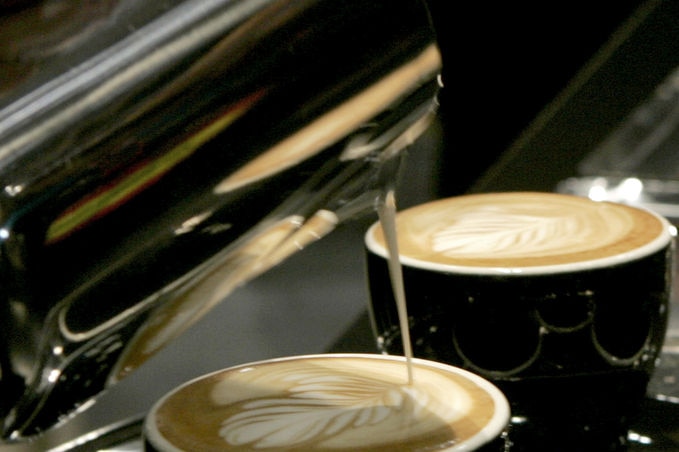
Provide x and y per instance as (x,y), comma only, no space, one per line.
(339,402)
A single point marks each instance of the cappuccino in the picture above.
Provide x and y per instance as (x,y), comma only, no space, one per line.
(521,232)
(337,402)
(559,300)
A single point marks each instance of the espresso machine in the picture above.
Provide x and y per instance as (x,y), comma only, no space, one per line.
(155,156)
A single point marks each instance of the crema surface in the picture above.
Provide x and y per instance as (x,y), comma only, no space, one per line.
(516,230)
(333,404)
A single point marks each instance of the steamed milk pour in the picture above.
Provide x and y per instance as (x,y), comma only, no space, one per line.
(387,213)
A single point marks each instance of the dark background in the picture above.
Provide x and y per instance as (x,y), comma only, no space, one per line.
(503,63)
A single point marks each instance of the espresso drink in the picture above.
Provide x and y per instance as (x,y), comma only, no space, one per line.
(561,301)
(342,402)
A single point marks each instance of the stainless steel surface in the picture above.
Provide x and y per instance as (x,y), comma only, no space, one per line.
(305,305)
(153,158)
(121,436)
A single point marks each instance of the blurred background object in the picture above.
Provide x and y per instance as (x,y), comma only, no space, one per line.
(503,63)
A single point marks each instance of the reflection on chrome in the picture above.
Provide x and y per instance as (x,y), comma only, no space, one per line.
(155,155)
(628,190)
(639,439)
(662,196)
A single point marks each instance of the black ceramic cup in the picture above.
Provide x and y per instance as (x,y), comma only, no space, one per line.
(561,301)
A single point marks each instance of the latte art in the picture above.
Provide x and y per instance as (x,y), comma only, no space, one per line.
(518,231)
(330,403)
(509,232)
(329,406)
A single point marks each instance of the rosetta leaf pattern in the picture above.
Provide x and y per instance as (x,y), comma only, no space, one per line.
(484,233)
(318,408)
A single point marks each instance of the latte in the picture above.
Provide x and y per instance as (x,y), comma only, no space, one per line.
(519,231)
(330,402)
(559,300)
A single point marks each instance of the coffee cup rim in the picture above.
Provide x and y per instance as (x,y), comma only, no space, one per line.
(492,430)
(661,241)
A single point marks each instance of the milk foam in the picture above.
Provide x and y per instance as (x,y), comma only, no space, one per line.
(344,403)
(329,405)
(519,232)
(509,231)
